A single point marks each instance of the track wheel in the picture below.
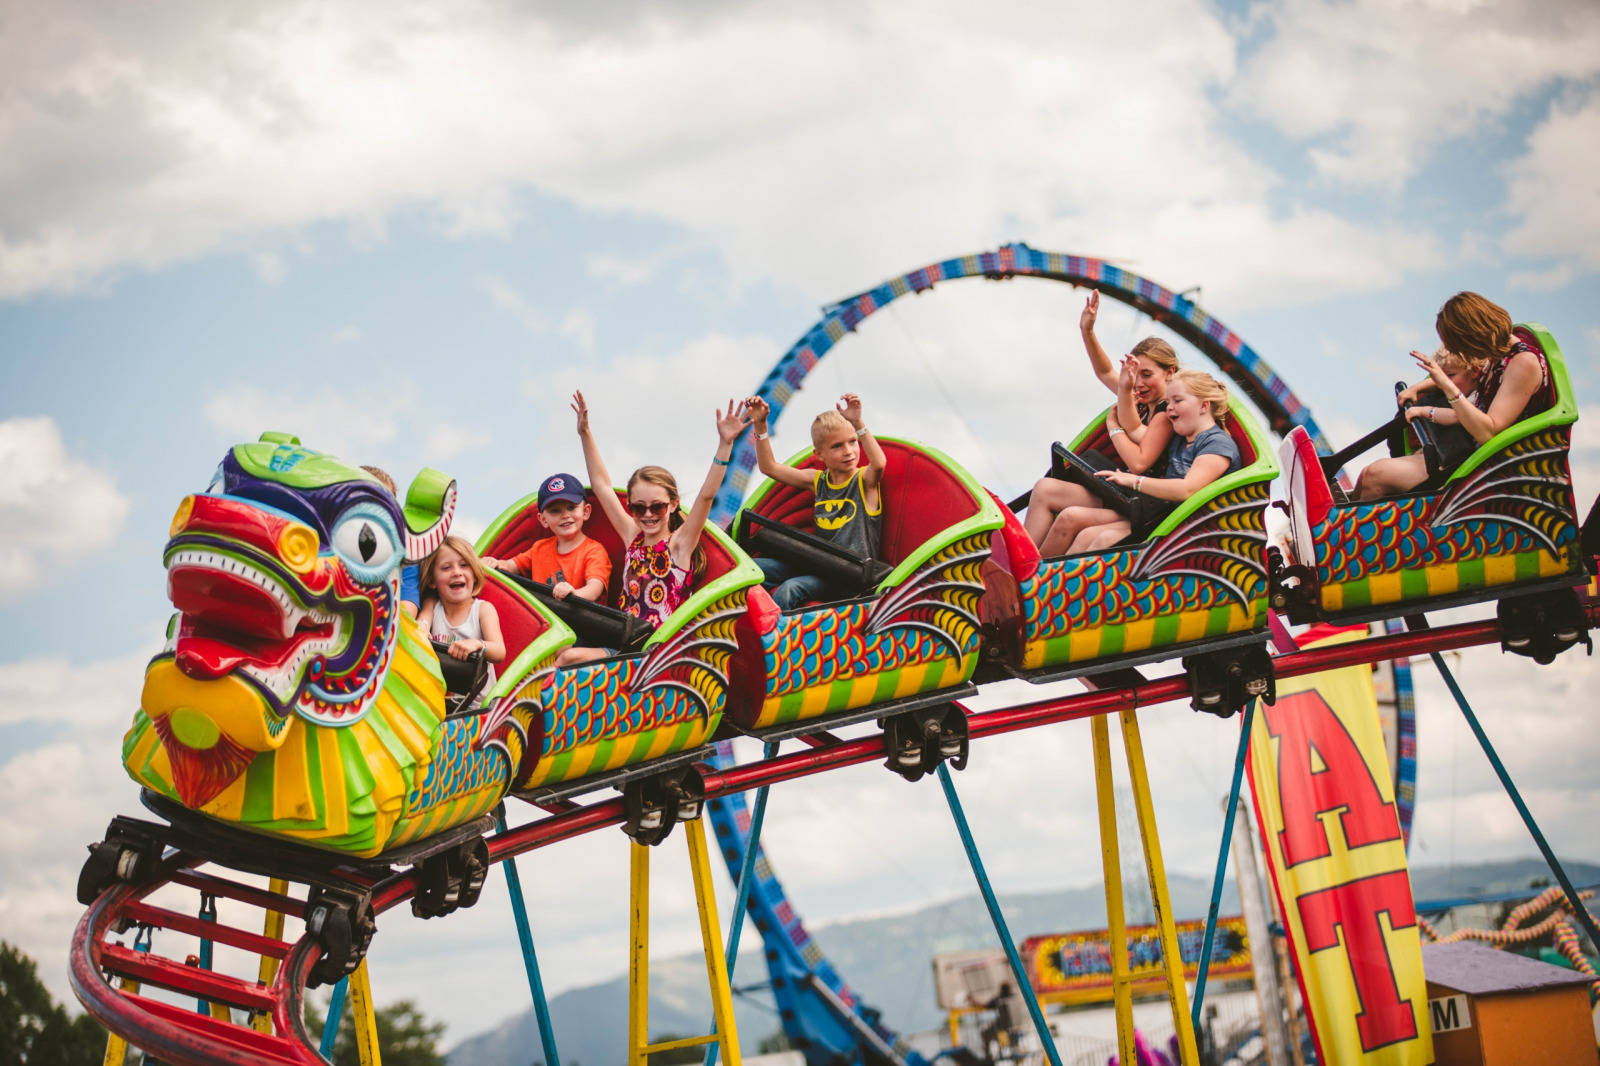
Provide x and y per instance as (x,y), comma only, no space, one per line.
(125,855)
(1544,625)
(918,741)
(343,923)
(1222,682)
(654,804)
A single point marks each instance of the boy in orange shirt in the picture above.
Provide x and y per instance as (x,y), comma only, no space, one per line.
(572,563)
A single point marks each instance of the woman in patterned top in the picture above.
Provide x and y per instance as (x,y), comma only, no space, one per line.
(664,555)
(1513,384)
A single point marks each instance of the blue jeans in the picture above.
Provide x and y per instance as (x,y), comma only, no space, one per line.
(790,587)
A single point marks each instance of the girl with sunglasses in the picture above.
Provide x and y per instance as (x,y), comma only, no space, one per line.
(664,554)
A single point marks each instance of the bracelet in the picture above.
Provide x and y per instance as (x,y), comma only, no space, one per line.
(862,432)
(1138,483)
(762,436)
(1114,430)
(721,462)
(1455,399)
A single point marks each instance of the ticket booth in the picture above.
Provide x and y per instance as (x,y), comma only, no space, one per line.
(1496,1008)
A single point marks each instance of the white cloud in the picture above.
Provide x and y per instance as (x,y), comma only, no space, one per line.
(96,698)
(579,324)
(446,441)
(53,506)
(623,271)
(325,419)
(143,150)
(1554,190)
(1557,277)
(270,267)
(1375,87)
(347,335)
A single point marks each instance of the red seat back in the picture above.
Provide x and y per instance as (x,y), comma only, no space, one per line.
(520,623)
(921,498)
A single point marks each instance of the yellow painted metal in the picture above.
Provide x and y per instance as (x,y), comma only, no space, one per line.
(673,1045)
(711,940)
(1177,993)
(638,953)
(116,1047)
(364,1017)
(272,927)
(1121,989)
(955,1028)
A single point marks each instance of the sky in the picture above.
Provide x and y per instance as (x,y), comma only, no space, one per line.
(408,231)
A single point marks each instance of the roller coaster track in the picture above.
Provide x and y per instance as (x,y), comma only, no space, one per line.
(259,1020)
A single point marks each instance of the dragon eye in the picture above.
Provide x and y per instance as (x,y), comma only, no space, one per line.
(367,543)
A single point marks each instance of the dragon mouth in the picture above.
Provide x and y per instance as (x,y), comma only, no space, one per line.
(234,615)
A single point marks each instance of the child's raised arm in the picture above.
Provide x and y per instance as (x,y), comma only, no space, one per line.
(599,476)
(1099,361)
(849,406)
(765,460)
(730,424)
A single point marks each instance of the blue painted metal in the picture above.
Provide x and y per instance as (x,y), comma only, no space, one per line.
(208,913)
(1405,712)
(1173,310)
(1556,868)
(1222,862)
(1017,972)
(795,962)
(742,894)
(530,961)
(330,1027)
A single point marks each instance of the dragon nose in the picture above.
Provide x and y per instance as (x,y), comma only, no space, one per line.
(292,542)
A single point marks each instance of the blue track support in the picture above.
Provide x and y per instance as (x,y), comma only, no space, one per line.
(1017,972)
(741,897)
(519,909)
(208,913)
(330,1027)
(1222,862)
(1516,797)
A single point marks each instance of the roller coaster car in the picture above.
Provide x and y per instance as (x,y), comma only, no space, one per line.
(1196,587)
(1502,526)
(910,633)
(661,694)
(294,699)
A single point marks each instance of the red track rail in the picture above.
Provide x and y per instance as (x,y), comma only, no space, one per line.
(182,1036)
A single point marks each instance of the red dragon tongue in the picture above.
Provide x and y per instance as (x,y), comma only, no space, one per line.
(206,660)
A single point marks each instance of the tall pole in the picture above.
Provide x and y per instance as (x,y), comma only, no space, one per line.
(1263,958)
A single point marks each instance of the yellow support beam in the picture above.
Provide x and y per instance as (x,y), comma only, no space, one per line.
(727,1032)
(364,1017)
(638,953)
(1155,868)
(705,895)
(116,1047)
(1111,860)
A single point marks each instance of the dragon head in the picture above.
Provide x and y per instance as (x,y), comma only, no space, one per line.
(285,574)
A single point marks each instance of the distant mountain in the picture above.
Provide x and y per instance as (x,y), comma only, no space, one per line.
(888,961)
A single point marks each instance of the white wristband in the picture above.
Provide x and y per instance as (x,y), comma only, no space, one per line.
(762,436)
(862,432)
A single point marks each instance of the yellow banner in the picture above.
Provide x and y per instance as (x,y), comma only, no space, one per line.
(1326,808)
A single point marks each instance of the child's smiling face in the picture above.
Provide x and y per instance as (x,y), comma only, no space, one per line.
(452,576)
(564,518)
(651,507)
(839,451)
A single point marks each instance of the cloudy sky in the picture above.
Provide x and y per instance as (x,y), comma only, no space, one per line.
(406,231)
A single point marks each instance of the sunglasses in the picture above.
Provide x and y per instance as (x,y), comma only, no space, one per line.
(654,510)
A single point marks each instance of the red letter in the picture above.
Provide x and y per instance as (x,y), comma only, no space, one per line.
(1301,722)
(1353,909)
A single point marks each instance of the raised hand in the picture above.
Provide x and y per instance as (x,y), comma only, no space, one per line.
(1091,310)
(849,405)
(732,422)
(1126,373)
(758,411)
(1440,378)
(580,409)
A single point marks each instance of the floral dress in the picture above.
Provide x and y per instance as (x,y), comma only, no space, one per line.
(653,586)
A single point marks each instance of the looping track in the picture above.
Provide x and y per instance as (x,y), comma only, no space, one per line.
(180,1035)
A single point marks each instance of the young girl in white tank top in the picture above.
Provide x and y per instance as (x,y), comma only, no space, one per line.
(451,580)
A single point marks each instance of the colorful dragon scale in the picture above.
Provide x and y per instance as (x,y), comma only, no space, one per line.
(293,697)
(1509,519)
(1204,578)
(919,635)
(616,712)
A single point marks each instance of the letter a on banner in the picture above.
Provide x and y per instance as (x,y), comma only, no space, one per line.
(1325,804)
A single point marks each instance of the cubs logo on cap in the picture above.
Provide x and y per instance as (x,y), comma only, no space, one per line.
(560,487)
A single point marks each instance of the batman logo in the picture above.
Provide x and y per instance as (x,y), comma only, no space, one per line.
(833,514)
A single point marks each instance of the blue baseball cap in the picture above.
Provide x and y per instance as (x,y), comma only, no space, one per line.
(560,487)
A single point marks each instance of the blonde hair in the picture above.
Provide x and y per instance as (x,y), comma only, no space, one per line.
(1158,352)
(383,479)
(1450,361)
(462,547)
(661,477)
(1207,389)
(827,422)
(1475,327)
